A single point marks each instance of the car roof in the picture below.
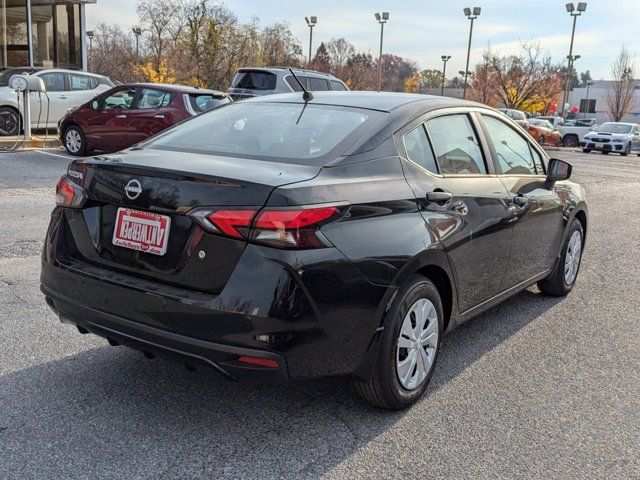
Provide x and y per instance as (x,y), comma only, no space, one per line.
(66,70)
(382,101)
(176,88)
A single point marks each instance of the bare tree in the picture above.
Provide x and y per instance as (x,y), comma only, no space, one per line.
(113,53)
(163,21)
(620,97)
(483,82)
(339,51)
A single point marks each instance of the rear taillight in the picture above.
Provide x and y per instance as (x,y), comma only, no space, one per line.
(69,194)
(282,228)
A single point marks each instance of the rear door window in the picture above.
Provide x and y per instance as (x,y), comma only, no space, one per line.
(254,80)
(151,99)
(294,84)
(456,145)
(418,149)
(317,84)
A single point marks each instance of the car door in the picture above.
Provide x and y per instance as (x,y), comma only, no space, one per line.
(462,200)
(50,110)
(152,114)
(537,209)
(105,123)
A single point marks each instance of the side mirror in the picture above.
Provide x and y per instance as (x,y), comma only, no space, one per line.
(558,170)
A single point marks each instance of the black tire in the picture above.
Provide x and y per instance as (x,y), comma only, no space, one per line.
(9,122)
(78,146)
(605,152)
(627,150)
(384,389)
(559,142)
(570,141)
(556,284)
(586,150)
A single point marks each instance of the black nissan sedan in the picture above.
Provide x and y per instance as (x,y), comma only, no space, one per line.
(286,237)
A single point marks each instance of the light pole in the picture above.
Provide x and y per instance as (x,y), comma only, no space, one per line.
(137,31)
(90,35)
(586,107)
(464,74)
(570,60)
(382,19)
(575,13)
(471,15)
(311,22)
(445,59)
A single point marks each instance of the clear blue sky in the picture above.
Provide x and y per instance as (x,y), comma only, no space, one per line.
(426,29)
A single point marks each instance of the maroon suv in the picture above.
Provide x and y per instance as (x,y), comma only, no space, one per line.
(128,114)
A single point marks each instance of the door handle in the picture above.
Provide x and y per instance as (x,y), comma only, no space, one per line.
(121,116)
(520,200)
(159,116)
(63,97)
(439,197)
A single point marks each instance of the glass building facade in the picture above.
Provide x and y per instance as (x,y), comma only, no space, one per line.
(43,33)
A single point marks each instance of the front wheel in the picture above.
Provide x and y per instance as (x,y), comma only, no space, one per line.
(571,141)
(564,276)
(408,348)
(9,122)
(586,150)
(75,141)
(627,150)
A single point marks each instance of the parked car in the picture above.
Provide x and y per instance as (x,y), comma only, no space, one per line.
(129,114)
(254,82)
(544,133)
(571,135)
(278,239)
(617,137)
(517,116)
(65,89)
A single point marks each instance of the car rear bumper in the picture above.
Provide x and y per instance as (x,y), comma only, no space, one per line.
(310,311)
(157,342)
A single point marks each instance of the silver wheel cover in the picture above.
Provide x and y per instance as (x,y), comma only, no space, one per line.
(417,344)
(572,258)
(73,141)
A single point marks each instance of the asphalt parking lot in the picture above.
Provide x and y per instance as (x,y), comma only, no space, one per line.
(537,387)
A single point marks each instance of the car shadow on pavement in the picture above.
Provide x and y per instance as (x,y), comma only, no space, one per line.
(110,413)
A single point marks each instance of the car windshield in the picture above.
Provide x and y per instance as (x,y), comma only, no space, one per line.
(611,127)
(283,131)
(6,75)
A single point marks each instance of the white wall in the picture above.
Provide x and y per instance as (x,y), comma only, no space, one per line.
(598,92)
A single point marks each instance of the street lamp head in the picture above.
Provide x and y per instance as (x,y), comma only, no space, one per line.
(570,7)
(385,15)
(137,31)
(476,11)
(378,17)
(311,21)
(582,6)
(90,33)
(314,20)
(467,11)
(576,57)
(446,58)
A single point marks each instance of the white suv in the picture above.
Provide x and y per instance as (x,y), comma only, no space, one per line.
(65,88)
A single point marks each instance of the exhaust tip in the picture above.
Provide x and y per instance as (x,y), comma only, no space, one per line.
(148,354)
(82,330)
(112,342)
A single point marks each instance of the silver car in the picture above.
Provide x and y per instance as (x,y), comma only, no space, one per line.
(617,137)
(255,82)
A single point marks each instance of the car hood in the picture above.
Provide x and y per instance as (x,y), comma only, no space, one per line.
(607,135)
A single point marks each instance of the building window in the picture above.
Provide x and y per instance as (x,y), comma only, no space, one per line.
(14,40)
(587,106)
(56,35)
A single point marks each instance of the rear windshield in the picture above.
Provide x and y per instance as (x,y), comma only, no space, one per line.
(255,81)
(203,102)
(268,131)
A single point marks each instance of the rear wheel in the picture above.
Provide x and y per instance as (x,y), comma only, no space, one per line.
(586,150)
(605,152)
(74,141)
(9,121)
(409,347)
(564,276)
(571,141)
